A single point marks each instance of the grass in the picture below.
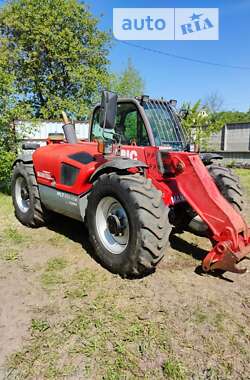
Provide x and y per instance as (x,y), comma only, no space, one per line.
(57,240)
(39,325)
(10,256)
(12,235)
(56,264)
(173,370)
(99,332)
(244,175)
(93,327)
(51,276)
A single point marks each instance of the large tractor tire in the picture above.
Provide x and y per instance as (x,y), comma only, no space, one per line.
(185,218)
(228,184)
(25,196)
(128,224)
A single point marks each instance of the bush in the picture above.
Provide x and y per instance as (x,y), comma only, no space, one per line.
(6,162)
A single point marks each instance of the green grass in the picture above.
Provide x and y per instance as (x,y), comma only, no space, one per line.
(98,332)
(244,175)
(56,264)
(173,370)
(57,240)
(12,235)
(200,316)
(39,325)
(10,256)
(51,276)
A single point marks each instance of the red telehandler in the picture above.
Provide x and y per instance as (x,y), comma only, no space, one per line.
(131,182)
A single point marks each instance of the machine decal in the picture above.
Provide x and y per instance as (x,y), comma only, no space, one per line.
(61,202)
(132,154)
(68,197)
(45,175)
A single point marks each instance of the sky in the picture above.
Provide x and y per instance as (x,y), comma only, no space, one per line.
(178,79)
(182,80)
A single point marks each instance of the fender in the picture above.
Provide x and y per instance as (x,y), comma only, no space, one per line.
(26,158)
(207,158)
(118,164)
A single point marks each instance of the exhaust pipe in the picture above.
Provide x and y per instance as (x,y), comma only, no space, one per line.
(69,130)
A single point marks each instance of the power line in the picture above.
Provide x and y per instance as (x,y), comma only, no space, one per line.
(183,57)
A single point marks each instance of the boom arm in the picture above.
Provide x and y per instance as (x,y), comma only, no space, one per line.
(229,229)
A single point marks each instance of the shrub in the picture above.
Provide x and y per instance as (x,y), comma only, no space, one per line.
(6,162)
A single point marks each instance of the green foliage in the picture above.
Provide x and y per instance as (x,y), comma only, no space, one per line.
(6,162)
(52,57)
(10,109)
(204,120)
(235,116)
(56,56)
(129,83)
(201,123)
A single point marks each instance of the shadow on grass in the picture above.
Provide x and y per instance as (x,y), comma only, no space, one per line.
(197,253)
(77,232)
(73,230)
(5,189)
(190,249)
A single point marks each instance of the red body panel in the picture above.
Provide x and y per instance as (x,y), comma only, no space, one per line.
(49,159)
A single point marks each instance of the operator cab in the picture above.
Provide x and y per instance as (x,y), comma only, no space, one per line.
(141,122)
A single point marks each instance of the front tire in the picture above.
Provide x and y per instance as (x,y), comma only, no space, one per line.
(128,224)
(25,196)
(228,184)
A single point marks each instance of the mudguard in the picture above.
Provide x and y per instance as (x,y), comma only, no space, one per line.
(207,158)
(117,164)
(24,157)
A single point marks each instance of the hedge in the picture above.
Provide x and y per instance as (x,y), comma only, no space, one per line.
(6,162)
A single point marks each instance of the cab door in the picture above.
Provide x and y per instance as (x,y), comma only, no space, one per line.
(129,134)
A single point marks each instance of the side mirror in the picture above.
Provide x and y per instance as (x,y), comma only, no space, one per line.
(108,110)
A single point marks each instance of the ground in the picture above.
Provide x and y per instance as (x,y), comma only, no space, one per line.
(62,316)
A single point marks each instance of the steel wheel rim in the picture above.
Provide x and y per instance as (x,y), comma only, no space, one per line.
(22,194)
(106,207)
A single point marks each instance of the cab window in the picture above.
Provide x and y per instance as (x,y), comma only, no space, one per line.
(129,127)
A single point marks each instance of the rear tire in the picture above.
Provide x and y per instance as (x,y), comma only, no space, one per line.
(25,196)
(229,185)
(144,216)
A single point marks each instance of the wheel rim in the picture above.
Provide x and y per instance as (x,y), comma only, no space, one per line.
(112,225)
(22,194)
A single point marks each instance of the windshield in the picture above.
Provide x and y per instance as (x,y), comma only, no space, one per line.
(165,125)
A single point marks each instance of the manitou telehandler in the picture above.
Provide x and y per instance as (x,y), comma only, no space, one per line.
(131,182)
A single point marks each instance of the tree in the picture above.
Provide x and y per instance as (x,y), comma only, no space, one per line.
(128,83)
(10,109)
(56,53)
(234,116)
(200,123)
(214,102)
